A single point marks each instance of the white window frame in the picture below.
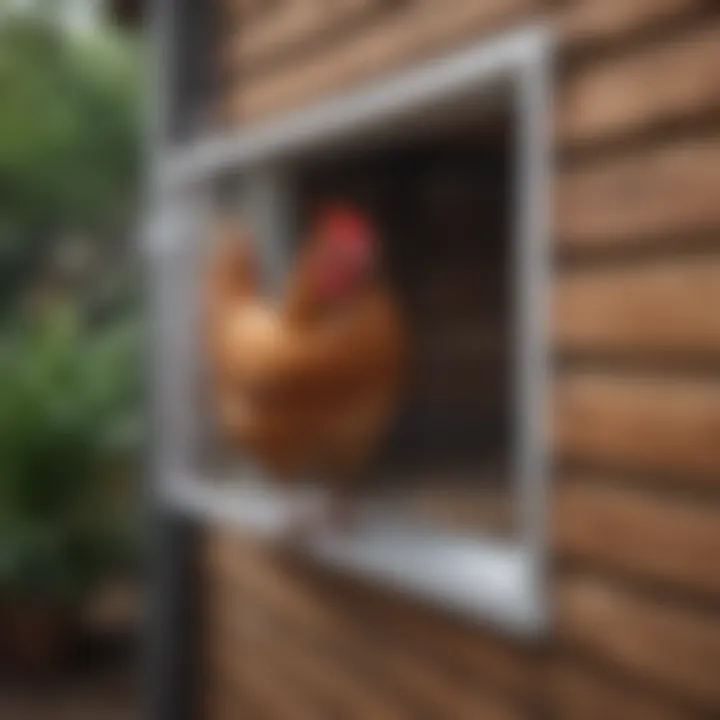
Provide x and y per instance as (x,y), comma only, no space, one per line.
(503,582)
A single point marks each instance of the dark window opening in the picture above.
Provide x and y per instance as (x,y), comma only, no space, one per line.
(443,205)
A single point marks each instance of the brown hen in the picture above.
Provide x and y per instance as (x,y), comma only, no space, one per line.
(308,384)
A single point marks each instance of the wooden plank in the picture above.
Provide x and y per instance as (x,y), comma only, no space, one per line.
(579,692)
(248,651)
(325,71)
(417,30)
(660,309)
(656,536)
(476,652)
(462,21)
(249,9)
(431,689)
(414,32)
(357,677)
(293,23)
(669,428)
(257,681)
(663,193)
(355,618)
(335,681)
(582,23)
(321,678)
(664,83)
(676,648)
(288,593)
(415,683)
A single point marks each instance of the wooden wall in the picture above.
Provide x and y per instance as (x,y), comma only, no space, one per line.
(636,495)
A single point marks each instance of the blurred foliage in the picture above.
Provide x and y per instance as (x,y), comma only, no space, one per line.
(69,131)
(70,310)
(69,422)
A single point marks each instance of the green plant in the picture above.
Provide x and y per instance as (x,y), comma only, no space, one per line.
(70,131)
(68,427)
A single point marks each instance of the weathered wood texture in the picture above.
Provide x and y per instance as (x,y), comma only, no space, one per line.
(654,310)
(578,691)
(653,536)
(351,651)
(586,24)
(664,428)
(647,197)
(676,647)
(635,516)
(330,59)
(276,59)
(669,81)
(357,653)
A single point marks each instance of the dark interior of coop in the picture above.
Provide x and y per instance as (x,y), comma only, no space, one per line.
(441,199)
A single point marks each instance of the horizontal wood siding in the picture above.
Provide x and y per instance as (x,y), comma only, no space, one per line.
(642,197)
(635,512)
(653,310)
(635,517)
(658,536)
(671,81)
(295,24)
(356,652)
(674,646)
(585,25)
(578,690)
(665,428)
(405,32)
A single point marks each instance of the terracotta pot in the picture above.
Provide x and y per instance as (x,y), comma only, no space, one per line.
(35,635)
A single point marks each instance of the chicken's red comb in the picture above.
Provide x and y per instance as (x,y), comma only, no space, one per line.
(343,224)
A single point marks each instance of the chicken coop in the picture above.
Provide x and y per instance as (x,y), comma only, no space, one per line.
(538,535)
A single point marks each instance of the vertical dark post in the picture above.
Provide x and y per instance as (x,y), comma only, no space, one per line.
(173,632)
(172,635)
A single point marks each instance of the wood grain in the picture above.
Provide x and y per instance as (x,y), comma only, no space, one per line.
(415,32)
(655,310)
(326,71)
(294,23)
(429,687)
(584,23)
(615,653)
(667,428)
(354,618)
(666,192)
(578,691)
(253,681)
(339,643)
(666,82)
(647,638)
(661,537)
(321,680)
(464,21)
